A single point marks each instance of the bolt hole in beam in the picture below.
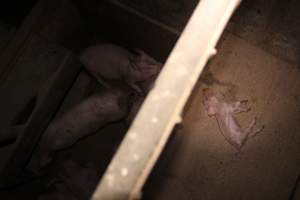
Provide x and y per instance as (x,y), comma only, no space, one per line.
(148,134)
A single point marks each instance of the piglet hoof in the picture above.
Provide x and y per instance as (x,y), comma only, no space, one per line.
(238,147)
(256,131)
(137,89)
(252,130)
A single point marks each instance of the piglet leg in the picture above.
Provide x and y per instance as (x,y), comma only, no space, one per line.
(252,129)
(240,106)
(136,88)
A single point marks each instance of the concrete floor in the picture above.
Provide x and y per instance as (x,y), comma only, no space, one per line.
(199,163)
(259,54)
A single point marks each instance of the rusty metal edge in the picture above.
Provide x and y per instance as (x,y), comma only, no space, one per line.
(147,136)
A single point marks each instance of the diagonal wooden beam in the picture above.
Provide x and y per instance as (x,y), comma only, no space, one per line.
(161,110)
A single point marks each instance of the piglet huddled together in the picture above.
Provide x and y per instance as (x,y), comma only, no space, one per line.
(112,63)
(134,72)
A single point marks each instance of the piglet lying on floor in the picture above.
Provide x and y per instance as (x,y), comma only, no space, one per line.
(113,63)
(105,106)
(224,111)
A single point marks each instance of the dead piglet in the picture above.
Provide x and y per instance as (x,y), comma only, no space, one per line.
(103,107)
(111,62)
(224,112)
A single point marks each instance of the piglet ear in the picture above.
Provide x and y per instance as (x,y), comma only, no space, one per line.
(139,51)
(144,55)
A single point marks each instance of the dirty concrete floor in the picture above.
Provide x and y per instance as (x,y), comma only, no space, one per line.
(198,162)
(259,54)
